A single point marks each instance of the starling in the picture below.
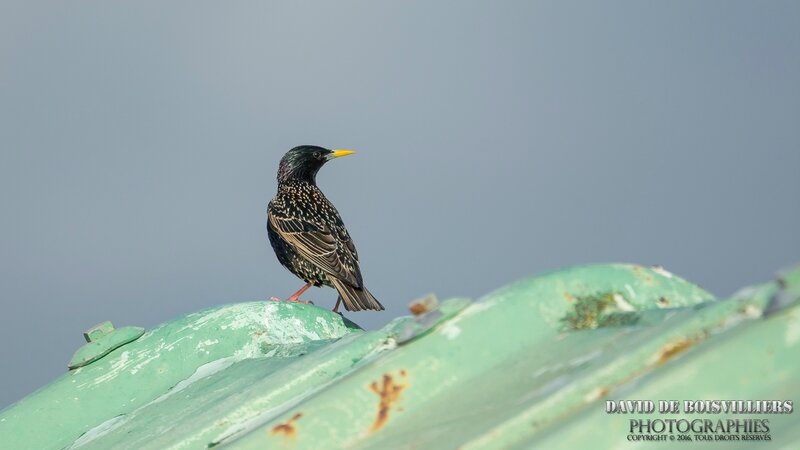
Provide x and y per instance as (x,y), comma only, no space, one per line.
(307,234)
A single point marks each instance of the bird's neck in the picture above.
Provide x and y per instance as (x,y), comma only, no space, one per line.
(289,174)
(295,183)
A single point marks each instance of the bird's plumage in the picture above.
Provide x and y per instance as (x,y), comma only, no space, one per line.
(307,233)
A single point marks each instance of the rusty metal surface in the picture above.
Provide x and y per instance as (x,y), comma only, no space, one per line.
(523,367)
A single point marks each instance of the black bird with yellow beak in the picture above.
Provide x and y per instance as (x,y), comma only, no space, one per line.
(307,234)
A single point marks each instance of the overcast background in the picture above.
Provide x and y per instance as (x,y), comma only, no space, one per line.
(496,140)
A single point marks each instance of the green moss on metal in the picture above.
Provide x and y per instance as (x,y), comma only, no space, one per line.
(598,310)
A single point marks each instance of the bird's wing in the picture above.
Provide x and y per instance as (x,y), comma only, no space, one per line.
(328,247)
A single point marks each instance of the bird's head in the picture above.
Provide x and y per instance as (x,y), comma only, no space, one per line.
(303,162)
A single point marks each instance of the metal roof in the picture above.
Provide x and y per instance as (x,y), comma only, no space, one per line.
(527,366)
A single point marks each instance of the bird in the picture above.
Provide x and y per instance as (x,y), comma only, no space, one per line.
(308,235)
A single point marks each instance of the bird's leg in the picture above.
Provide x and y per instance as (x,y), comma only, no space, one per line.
(336,308)
(296,296)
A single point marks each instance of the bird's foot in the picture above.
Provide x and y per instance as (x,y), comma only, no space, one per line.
(293,300)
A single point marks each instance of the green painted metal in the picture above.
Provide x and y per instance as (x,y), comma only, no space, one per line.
(98,331)
(523,367)
(101,340)
(163,361)
(470,374)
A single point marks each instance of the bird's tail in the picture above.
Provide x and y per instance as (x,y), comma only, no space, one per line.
(355,299)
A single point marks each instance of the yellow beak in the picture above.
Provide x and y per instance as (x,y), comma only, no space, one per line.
(340,153)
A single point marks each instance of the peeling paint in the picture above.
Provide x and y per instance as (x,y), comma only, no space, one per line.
(242,389)
(450,331)
(661,271)
(203,371)
(201,346)
(116,368)
(630,290)
(144,362)
(622,305)
(98,431)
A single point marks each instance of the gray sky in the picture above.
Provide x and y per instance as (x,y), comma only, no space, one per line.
(139,143)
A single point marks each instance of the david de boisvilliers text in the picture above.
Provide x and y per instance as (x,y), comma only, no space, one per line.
(701,406)
(659,426)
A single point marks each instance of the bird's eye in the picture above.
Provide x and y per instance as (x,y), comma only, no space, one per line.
(317,155)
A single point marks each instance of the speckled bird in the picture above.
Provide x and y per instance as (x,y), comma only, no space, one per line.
(308,235)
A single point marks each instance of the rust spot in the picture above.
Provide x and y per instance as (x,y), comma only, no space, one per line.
(638,273)
(596,394)
(389,392)
(287,429)
(423,305)
(672,349)
(663,301)
(417,309)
